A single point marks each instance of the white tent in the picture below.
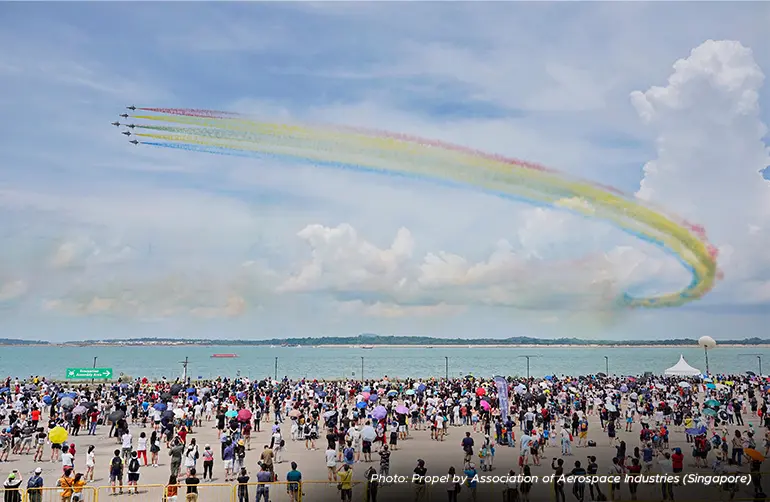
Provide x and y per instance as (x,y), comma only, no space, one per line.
(682,369)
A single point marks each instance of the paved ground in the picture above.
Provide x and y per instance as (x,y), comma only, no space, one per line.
(438,456)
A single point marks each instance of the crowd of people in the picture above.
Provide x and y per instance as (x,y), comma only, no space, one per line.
(367,422)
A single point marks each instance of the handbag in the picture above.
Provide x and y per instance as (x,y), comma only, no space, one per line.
(339,486)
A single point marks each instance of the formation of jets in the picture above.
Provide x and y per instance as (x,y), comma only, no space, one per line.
(130,126)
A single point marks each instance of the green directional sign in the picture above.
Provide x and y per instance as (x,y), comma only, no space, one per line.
(89,373)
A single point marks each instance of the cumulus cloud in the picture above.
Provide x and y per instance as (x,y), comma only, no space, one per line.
(375,281)
(711,154)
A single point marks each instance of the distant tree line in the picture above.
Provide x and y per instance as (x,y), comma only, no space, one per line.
(373,339)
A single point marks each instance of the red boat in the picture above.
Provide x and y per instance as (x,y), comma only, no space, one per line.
(224,355)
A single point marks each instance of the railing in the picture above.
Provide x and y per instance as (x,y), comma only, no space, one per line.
(320,491)
(57,494)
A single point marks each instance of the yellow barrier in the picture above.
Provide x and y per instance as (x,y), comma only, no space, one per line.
(57,494)
(12,495)
(276,491)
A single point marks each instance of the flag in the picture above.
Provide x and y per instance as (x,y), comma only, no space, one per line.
(502,396)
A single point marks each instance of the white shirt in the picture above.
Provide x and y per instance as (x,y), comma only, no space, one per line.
(67,459)
(127,439)
(90,459)
(331,458)
(141,444)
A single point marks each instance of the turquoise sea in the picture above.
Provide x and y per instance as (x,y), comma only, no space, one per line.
(328,363)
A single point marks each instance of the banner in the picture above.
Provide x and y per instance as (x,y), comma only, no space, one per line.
(502,396)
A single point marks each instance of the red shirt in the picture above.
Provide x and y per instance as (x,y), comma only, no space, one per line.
(677,461)
(35,415)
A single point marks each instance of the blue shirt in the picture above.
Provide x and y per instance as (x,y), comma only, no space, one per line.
(294,475)
(471,474)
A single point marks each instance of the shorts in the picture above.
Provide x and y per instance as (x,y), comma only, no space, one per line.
(367,447)
(229,464)
(583,435)
(402,428)
(133,476)
(115,477)
(629,420)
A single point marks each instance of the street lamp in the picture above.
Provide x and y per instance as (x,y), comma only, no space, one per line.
(759,361)
(446,366)
(607,365)
(362,368)
(527,358)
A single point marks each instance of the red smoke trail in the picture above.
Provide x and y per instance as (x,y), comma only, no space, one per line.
(191,112)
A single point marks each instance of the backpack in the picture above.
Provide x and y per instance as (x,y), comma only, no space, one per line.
(583,427)
(133,466)
(116,464)
(349,454)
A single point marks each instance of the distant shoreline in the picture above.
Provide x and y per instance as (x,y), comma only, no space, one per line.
(394,346)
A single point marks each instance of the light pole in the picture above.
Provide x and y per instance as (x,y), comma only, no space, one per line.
(275,377)
(527,358)
(92,380)
(607,365)
(446,366)
(362,368)
(759,361)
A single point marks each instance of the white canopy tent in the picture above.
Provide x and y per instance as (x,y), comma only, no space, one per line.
(682,369)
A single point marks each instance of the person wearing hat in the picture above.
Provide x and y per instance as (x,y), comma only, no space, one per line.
(239,458)
(34,485)
(12,487)
(208,463)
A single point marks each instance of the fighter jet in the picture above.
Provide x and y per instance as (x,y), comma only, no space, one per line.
(116,124)
(132,108)
(129,125)
(125,115)
(134,142)
(127,133)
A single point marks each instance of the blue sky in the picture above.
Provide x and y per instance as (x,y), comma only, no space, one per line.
(101,239)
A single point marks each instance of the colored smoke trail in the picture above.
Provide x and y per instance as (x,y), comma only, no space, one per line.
(365,150)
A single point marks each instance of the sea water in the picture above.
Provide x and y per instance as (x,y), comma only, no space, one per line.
(347,362)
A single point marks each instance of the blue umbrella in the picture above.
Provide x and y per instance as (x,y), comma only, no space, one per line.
(696,431)
(421,387)
(4,389)
(366,389)
(361,405)
(321,394)
(240,395)
(393,393)
(47,399)
(160,406)
(145,405)
(191,391)
(373,397)
(194,399)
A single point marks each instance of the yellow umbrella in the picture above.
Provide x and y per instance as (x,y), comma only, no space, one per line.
(753,454)
(58,435)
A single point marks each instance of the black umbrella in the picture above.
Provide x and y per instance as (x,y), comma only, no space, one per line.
(166,396)
(116,415)
(168,414)
(751,373)
(601,375)
(176,389)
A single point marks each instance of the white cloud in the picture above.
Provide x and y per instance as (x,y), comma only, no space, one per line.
(710,153)
(344,265)
(12,289)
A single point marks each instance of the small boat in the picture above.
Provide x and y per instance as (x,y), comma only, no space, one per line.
(224,355)
(367,346)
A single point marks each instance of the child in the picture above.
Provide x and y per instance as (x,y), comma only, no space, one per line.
(172,489)
(133,473)
(394,436)
(483,454)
